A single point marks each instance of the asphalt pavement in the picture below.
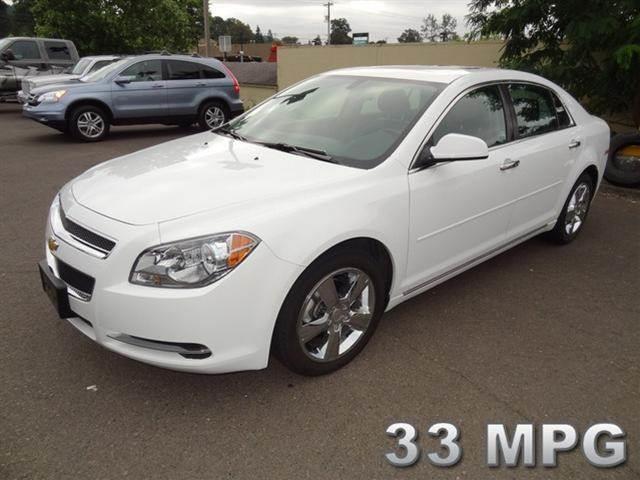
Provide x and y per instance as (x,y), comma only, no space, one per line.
(539,334)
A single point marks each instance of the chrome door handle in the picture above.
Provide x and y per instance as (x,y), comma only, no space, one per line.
(200,84)
(508,163)
(574,144)
(157,85)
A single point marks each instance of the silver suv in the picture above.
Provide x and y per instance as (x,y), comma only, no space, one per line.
(158,88)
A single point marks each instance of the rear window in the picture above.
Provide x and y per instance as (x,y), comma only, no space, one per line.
(210,72)
(535,111)
(57,50)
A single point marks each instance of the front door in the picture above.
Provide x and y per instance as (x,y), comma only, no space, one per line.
(144,96)
(459,211)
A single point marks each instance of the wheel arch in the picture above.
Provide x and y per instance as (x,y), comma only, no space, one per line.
(214,98)
(88,101)
(378,250)
(593,173)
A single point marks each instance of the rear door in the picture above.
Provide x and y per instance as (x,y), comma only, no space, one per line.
(144,97)
(184,85)
(548,143)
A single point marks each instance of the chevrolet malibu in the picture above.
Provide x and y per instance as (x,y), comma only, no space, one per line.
(295,226)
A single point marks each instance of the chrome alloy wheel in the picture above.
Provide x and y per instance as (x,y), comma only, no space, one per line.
(90,124)
(214,116)
(577,209)
(336,314)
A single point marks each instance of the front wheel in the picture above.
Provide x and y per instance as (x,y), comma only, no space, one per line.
(574,212)
(213,115)
(330,313)
(89,124)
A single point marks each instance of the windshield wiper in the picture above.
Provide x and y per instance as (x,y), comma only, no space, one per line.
(225,130)
(307,152)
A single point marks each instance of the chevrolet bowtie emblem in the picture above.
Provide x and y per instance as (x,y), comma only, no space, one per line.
(52,244)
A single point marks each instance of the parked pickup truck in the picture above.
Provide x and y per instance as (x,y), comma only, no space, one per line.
(85,66)
(22,57)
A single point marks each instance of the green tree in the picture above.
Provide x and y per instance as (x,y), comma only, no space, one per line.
(317,40)
(258,37)
(269,36)
(430,28)
(288,40)
(120,26)
(240,32)
(448,28)
(5,20)
(340,30)
(410,36)
(592,48)
(22,22)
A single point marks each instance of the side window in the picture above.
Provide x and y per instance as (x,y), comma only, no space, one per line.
(147,71)
(479,113)
(57,51)
(179,70)
(210,72)
(25,50)
(564,120)
(98,65)
(534,108)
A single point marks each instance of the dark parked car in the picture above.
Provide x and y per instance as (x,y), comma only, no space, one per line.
(23,57)
(165,89)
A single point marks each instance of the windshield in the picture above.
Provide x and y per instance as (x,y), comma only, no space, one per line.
(4,42)
(81,66)
(356,121)
(104,72)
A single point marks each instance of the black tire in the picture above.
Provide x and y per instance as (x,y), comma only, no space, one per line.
(627,174)
(561,232)
(211,105)
(81,113)
(286,344)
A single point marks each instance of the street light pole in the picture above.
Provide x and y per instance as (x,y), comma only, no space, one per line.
(207,32)
(328,5)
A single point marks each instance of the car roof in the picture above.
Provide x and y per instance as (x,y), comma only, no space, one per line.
(101,57)
(436,73)
(174,56)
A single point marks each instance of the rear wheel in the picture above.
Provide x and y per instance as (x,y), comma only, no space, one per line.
(89,124)
(330,313)
(574,212)
(213,115)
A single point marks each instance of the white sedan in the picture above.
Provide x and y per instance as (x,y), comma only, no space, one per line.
(295,226)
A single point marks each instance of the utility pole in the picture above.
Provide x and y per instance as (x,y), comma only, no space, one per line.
(207,31)
(329,4)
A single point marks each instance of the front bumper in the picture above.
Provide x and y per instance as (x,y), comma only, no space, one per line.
(50,114)
(232,319)
(22,97)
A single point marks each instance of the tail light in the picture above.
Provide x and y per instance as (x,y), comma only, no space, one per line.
(236,85)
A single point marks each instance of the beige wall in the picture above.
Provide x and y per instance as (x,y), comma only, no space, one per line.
(256,49)
(252,95)
(297,63)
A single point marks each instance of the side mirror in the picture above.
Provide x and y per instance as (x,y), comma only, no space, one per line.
(7,55)
(455,147)
(124,79)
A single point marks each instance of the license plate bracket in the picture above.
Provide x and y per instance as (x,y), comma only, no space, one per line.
(56,290)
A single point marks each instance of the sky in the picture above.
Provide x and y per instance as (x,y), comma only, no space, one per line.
(383,19)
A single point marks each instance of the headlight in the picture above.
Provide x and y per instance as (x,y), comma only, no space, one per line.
(192,263)
(52,97)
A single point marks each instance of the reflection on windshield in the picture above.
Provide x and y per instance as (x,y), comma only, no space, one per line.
(353,120)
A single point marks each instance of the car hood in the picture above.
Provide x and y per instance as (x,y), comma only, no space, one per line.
(63,78)
(199,173)
(72,84)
